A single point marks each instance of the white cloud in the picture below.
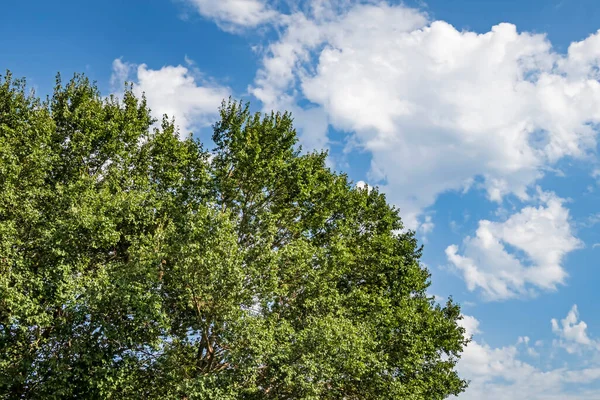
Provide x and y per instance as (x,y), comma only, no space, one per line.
(542,233)
(570,329)
(435,106)
(523,339)
(232,15)
(437,298)
(471,325)
(499,373)
(591,221)
(173,90)
(427,225)
(362,185)
(121,72)
(573,334)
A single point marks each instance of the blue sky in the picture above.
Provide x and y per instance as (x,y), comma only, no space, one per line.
(479,119)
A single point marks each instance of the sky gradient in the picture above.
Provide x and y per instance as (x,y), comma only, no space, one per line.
(478,119)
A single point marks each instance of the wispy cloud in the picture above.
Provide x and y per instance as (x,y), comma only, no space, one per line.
(235,15)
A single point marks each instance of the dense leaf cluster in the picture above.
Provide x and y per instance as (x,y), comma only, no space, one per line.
(135,265)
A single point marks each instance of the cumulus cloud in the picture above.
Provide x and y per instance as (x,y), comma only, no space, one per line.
(573,333)
(471,325)
(435,106)
(500,373)
(173,90)
(232,15)
(543,234)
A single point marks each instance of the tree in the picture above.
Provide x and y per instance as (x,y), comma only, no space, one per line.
(135,265)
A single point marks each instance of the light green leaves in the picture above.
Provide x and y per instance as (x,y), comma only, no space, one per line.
(133,265)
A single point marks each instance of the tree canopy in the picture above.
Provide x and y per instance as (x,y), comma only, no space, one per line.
(136,264)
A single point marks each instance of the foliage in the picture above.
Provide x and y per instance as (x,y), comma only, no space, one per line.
(134,264)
